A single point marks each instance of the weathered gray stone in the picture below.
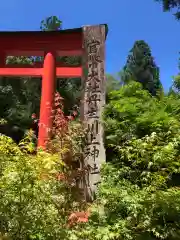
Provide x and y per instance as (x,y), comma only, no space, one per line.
(93,103)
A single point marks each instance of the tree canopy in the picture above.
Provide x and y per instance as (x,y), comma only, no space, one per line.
(140,66)
(169,5)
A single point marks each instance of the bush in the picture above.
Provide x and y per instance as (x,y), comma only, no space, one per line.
(37,191)
(139,197)
(133,112)
(33,203)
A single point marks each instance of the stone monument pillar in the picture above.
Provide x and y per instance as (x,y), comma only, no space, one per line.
(93,102)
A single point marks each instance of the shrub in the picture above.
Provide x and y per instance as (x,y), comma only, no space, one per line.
(37,191)
(31,197)
(139,195)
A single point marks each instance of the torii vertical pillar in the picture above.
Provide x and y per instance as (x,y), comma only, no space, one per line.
(93,103)
(47,99)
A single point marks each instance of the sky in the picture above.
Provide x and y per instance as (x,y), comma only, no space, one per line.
(128,21)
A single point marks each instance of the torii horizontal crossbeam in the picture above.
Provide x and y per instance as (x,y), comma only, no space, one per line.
(69,72)
(63,43)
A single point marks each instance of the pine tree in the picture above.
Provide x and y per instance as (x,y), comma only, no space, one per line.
(140,67)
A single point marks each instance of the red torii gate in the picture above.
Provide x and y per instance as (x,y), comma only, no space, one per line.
(47,44)
(88,41)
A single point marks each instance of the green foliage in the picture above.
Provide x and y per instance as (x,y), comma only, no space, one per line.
(38,192)
(112,83)
(52,23)
(169,5)
(175,88)
(140,66)
(132,112)
(19,99)
(140,190)
(139,194)
(71,91)
(131,212)
(34,204)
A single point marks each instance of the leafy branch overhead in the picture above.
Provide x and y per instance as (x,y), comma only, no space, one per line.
(51,23)
(171,5)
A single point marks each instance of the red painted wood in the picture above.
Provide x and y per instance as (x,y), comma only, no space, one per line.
(71,72)
(70,52)
(47,99)
(33,42)
(34,72)
(2,59)
(61,43)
